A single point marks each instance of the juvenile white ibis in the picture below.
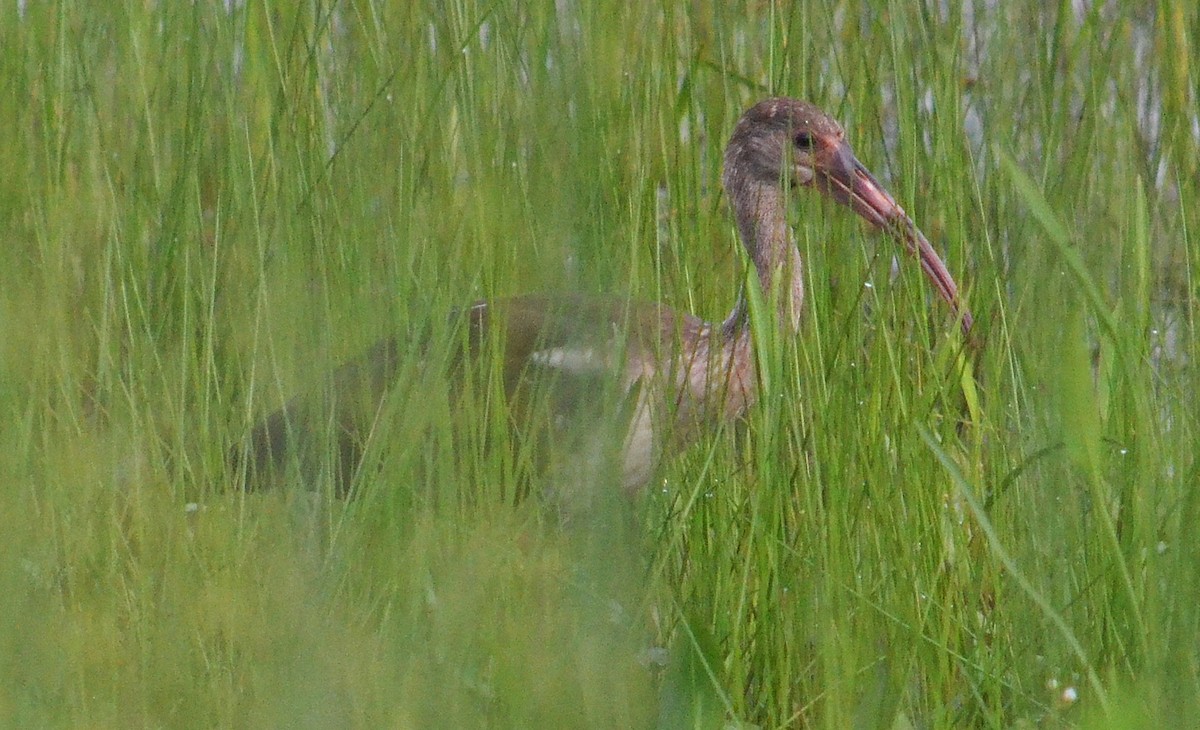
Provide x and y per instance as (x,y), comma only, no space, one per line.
(679,373)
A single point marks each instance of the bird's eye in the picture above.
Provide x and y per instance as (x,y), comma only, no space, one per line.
(803,140)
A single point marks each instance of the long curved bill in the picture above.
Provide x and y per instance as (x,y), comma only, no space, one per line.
(841,176)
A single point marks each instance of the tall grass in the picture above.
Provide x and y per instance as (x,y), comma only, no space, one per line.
(207,205)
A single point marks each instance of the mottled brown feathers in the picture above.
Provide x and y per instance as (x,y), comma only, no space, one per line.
(653,379)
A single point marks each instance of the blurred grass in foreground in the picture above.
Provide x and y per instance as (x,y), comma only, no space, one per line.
(208,204)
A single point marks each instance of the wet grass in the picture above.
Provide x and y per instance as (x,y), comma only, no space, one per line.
(205,208)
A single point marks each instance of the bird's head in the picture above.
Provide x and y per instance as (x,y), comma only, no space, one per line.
(785,141)
(791,143)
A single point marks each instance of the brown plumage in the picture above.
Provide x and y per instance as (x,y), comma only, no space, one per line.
(670,375)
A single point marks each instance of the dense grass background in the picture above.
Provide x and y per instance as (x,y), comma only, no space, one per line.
(205,205)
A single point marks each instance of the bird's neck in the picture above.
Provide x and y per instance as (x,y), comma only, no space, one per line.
(764,230)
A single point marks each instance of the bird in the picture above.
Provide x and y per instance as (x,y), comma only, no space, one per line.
(655,378)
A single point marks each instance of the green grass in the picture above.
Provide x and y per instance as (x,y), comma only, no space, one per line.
(202,210)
